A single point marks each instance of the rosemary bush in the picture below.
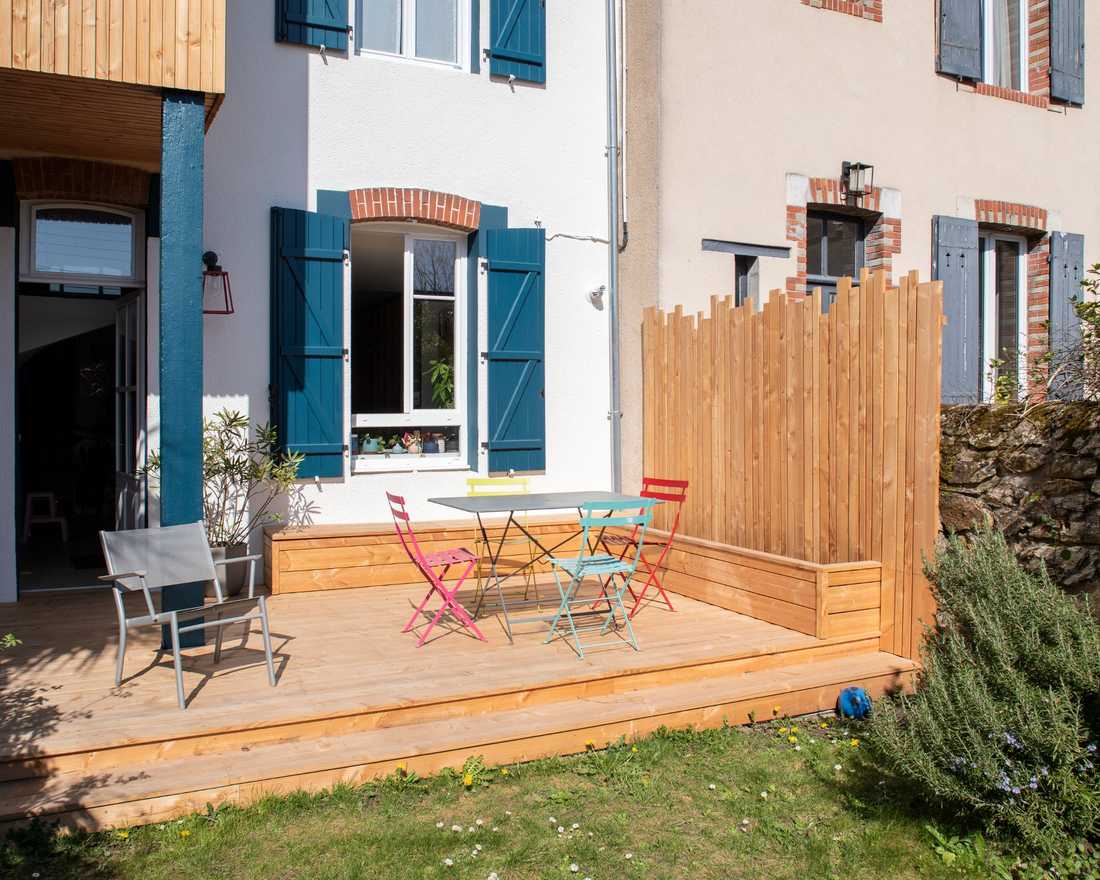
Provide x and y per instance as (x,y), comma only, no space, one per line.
(1003,725)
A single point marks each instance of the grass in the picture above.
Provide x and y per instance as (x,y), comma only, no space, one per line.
(728,803)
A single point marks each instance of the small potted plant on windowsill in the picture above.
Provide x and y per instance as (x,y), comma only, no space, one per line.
(371,444)
(413,442)
(241,479)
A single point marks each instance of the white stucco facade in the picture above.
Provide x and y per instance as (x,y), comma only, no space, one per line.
(296,122)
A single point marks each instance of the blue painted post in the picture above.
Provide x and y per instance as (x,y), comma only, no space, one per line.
(181,162)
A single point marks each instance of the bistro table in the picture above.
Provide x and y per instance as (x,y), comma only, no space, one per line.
(535,502)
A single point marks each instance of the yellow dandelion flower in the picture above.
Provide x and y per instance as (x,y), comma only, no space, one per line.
(782,730)
(590,744)
(855,743)
(504,771)
(185,833)
(824,726)
(776,710)
(122,835)
(792,739)
(794,730)
(633,750)
(468,779)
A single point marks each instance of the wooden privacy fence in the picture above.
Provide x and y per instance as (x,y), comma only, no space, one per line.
(808,435)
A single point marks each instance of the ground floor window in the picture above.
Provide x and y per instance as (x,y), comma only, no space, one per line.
(1002,280)
(408,343)
(834,249)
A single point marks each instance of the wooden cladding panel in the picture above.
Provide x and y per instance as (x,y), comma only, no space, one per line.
(809,435)
(343,557)
(176,44)
(827,601)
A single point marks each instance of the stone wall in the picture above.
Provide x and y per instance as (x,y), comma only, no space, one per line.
(1036,475)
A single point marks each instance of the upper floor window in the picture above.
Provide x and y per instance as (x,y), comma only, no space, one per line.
(1004,43)
(425,29)
(81,244)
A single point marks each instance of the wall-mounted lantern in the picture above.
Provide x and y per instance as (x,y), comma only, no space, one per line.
(857,181)
(215,287)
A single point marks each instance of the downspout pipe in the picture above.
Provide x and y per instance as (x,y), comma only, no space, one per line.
(614,414)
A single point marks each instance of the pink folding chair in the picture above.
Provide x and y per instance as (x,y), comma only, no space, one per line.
(427,564)
(651,560)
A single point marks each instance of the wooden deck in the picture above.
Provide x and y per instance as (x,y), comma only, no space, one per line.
(356,698)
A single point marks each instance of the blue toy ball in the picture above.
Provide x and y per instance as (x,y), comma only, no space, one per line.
(853,702)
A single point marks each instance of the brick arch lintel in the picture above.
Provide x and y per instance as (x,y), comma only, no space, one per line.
(80,180)
(422,205)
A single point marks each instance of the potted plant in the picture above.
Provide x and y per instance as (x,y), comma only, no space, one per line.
(372,443)
(441,373)
(241,479)
(412,442)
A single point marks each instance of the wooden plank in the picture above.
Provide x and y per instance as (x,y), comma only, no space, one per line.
(47,35)
(34,35)
(889,518)
(88,38)
(854,624)
(7,14)
(194,45)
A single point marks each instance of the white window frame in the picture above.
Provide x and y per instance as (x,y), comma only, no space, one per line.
(419,418)
(29,212)
(989,308)
(408,37)
(987,45)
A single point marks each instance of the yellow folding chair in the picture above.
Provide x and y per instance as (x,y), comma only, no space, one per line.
(481,486)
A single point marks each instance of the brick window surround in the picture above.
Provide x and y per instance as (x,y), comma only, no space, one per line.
(881,242)
(78,180)
(421,205)
(1031,223)
(868,9)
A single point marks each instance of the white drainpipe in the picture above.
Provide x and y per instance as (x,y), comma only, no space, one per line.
(614,414)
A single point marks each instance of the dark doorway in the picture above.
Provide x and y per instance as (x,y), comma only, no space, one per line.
(66,440)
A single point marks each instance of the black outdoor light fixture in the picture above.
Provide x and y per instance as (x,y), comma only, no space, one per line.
(857,180)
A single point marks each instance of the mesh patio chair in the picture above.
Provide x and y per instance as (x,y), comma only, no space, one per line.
(614,572)
(148,560)
(651,563)
(426,564)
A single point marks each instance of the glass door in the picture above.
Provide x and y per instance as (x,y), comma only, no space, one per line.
(130,413)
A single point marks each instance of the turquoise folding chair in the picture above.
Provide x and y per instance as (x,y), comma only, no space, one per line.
(614,572)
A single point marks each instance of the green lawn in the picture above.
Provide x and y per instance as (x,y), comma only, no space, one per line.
(718,804)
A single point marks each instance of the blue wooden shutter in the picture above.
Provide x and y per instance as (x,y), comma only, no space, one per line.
(1067,50)
(1067,261)
(955,263)
(960,39)
(307,337)
(517,44)
(516,330)
(312,23)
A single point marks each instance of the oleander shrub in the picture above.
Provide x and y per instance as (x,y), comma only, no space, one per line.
(1002,727)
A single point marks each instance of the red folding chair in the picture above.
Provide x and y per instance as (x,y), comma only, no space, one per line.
(672,492)
(427,564)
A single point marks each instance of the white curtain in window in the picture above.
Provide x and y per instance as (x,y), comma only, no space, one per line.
(1004,51)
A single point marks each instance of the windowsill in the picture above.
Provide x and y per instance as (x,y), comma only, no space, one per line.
(1017,95)
(411,59)
(407,464)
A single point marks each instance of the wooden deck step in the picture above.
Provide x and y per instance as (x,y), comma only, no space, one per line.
(162,789)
